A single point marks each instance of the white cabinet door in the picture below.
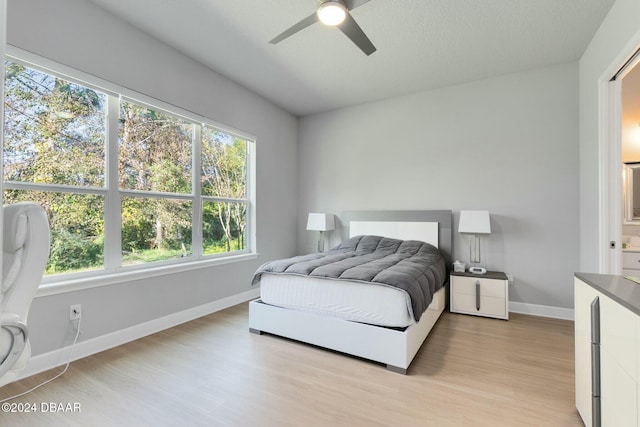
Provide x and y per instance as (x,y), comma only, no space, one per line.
(618,393)
(618,334)
(618,364)
(631,261)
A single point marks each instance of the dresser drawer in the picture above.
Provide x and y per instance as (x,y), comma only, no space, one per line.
(631,260)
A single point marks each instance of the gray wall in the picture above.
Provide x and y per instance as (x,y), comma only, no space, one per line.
(612,37)
(507,144)
(79,35)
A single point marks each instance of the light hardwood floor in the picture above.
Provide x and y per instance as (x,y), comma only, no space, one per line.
(471,371)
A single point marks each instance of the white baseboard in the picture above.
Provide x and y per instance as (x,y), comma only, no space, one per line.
(44,362)
(541,310)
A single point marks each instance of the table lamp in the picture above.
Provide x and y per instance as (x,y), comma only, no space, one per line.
(474,223)
(321,222)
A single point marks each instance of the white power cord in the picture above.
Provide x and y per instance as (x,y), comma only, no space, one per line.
(75,340)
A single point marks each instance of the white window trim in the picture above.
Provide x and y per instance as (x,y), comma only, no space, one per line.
(71,284)
(113,274)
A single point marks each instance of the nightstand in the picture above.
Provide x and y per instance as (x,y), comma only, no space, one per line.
(480,294)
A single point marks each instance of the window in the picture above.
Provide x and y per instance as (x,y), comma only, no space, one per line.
(147,208)
(224,191)
(155,181)
(54,154)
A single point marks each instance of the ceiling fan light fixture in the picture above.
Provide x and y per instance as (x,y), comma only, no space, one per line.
(332,13)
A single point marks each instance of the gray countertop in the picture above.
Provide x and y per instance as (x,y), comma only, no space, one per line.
(619,289)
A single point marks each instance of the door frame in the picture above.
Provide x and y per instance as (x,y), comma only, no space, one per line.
(610,140)
(610,158)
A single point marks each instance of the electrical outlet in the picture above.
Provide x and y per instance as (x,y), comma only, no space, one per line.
(510,278)
(75,311)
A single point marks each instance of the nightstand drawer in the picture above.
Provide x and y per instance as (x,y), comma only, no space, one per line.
(467,286)
(489,306)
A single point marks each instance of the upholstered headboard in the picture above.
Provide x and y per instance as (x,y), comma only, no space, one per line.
(433,226)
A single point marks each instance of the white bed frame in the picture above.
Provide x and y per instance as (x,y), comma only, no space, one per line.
(392,347)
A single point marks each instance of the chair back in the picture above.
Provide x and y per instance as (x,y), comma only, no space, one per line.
(25,250)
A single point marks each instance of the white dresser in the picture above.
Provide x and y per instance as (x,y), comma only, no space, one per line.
(607,350)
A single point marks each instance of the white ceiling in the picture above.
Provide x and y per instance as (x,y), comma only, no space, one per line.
(422,44)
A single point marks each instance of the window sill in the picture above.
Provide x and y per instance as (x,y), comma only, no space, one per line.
(105,279)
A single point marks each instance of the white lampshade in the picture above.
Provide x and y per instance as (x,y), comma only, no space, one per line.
(321,222)
(474,222)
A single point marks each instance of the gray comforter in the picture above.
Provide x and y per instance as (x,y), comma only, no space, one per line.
(416,267)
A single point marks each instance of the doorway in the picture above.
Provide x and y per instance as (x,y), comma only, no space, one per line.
(619,144)
(630,158)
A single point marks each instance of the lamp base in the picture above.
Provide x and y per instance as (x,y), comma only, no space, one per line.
(321,242)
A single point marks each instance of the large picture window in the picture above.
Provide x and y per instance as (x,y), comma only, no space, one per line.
(178,191)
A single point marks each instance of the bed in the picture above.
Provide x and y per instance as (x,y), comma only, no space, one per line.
(347,315)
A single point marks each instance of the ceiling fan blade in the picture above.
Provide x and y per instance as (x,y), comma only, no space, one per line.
(352,4)
(309,20)
(352,30)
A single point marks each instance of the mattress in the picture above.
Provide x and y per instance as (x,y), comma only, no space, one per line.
(353,301)
(414,267)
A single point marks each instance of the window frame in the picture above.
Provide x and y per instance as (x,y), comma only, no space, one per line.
(113,271)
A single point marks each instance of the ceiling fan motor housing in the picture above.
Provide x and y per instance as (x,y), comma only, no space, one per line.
(331,12)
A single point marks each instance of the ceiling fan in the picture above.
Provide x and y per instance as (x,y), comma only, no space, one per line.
(334,13)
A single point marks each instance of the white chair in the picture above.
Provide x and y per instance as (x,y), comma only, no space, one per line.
(24,258)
